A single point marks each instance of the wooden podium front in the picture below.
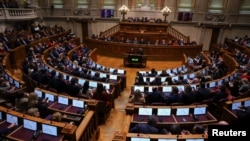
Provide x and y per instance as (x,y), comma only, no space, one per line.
(134,60)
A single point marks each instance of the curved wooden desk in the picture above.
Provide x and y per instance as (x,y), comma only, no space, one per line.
(152,51)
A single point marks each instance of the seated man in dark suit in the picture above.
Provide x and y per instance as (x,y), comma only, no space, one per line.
(146,128)
(155,97)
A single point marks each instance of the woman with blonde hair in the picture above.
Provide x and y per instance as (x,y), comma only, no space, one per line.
(33,112)
(41,104)
(57,116)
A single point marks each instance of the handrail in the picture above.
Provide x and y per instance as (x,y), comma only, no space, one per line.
(110,31)
(178,35)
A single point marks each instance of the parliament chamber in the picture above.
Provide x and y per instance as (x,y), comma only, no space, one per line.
(66,58)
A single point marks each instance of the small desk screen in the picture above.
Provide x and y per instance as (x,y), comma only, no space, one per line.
(50,97)
(145,111)
(78,103)
(63,100)
(28,124)
(199,110)
(11,119)
(141,88)
(163,112)
(140,139)
(39,93)
(182,111)
(166,89)
(247,103)
(49,129)
(236,105)
(92,84)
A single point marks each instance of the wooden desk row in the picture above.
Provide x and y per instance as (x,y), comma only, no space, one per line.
(119,78)
(230,107)
(152,51)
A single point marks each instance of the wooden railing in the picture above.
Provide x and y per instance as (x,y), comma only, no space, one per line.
(111,31)
(178,35)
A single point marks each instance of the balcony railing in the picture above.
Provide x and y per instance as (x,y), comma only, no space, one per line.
(17,13)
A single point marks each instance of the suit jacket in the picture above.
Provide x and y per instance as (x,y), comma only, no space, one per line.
(144,128)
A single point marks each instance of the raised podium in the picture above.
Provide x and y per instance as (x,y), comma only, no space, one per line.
(132,60)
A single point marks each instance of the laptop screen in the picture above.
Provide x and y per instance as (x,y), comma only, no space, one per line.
(38,92)
(78,103)
(120,71)
(140,139)
(199,110)
(194,139)
(247,103)
(163,112)
(49,129)
(145,111)
(236,105)
(92,84)
(11,119)
(63,100)
(50,97)
(28,124)
(167,139)
(182,111)
(81,81)
(166,89)
(141,88)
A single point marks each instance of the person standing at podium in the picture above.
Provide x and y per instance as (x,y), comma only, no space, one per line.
(140,52)
(131,52)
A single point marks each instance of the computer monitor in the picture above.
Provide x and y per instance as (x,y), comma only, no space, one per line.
(191,75)
(141,88)
(78,103)
(50,97)
(11,118)
(63,100)
(11,81)
(39,93)
(212,84)
(17,84)
(182,111)
(236,105)
(219,82)
(121,71)
(103,75)
(181,87)
(163,112)
(64,76)
(247,103)
(185,76)
(175,78)
(92,84)
(113,77)
(81,81)
(163,79)
(49,129)
(150,89)
(106,85)
(145,111)
(139,139)
(6,76)
(200,110)
(167,139)
(1,116)
(166,88)
(202,139)
(29,124)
